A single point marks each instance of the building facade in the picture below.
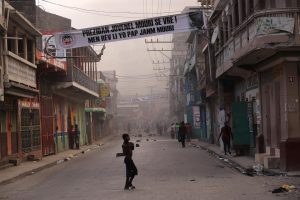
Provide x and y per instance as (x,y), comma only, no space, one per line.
(20,107)
(255,46)
(66,79)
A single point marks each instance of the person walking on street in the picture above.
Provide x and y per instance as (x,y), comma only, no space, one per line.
(71,137)
(226,135)
(131,170)
(188,131)
(182,133)
(77,136)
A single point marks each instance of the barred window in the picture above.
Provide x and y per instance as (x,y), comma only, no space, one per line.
(30,130)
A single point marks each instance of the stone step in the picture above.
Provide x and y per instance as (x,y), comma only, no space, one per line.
(5,166)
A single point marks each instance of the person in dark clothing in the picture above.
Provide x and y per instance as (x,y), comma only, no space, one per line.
(226,135)
(131,170)
(71,137)
(77,135)
(182,133)
(188,131)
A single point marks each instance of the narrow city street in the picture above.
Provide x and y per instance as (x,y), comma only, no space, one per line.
(166,171)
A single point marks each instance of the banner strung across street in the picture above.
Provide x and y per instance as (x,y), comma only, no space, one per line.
(129,30)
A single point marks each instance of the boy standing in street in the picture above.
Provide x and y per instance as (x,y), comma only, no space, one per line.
(131,169)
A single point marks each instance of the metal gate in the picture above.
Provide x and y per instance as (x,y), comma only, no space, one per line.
(3,141)
(30,130)
(47,125)
(242,126)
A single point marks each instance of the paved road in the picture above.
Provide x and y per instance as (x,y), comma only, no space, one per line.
(166,171)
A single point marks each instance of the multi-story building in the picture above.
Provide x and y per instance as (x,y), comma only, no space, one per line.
(111,101)
(197,107)
(20,108)
(177,97)
(257,66)
(65,83)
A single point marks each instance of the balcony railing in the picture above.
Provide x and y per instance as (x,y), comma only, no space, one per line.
(85,81)
(20,70)
(243,36)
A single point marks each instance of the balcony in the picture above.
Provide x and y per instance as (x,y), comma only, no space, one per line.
(20,70)
(50,64)
(82,79)
(77,86)
(248,47)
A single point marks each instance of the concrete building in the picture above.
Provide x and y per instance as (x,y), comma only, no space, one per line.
(256,45)
(64,83)
(111,101)
(20,108)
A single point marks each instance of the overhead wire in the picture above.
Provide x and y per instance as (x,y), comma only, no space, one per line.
(143,77)
(103,11)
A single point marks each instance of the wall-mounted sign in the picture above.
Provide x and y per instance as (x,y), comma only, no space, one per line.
(104,90)
(29,104)
(196,116)
(273,25)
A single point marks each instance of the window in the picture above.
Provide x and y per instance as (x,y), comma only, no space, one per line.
(21,48)
(25,130)
(10,45)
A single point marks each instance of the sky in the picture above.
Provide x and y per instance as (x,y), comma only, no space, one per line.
(131,60)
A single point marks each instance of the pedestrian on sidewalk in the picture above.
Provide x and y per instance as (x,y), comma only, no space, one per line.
(226,135)
(77,136)
(182,133)
(188,132)
(131,170)
(71,137)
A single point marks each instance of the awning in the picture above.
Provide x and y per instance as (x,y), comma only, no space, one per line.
(95,110)
(101,81)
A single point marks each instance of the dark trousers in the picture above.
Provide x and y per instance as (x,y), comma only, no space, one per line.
(131,171)
(71,141)
(226,143)
(182,139)
(77,141)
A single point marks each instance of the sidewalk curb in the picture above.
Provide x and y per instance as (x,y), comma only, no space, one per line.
(242,169)
(56,162)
